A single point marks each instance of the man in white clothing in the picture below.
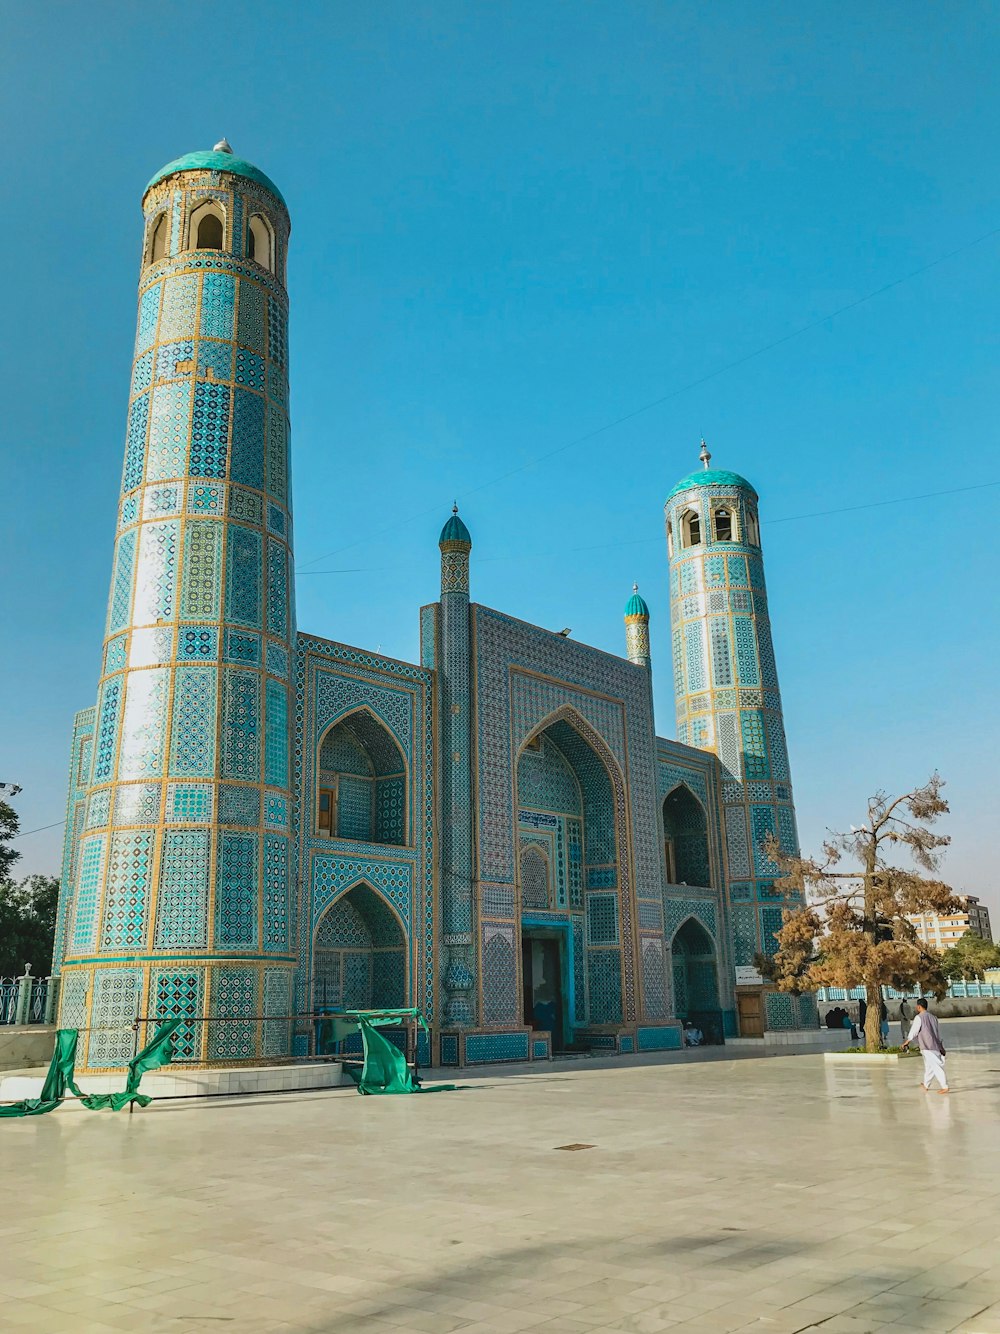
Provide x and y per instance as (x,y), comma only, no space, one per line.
(928,1036)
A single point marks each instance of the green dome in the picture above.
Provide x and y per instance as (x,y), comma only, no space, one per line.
(636,605)
(710,477)
(216,160)
(455,531)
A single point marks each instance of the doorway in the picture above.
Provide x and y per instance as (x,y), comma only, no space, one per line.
(751,1014)
(543,994)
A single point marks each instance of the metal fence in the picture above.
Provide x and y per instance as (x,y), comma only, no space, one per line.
(957,991)
(24,1000)
(9,987)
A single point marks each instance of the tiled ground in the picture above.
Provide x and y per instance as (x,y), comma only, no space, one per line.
(775,1195)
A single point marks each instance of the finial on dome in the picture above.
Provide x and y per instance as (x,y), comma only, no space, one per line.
(454,507)
(223,146)
(704,456)
(635,588)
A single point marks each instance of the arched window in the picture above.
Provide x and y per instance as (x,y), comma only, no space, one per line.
(685,836)
(157,240)
(725,525)
(361,792)
(207,230)
(260,242)
(670,539)
(690,528)
(753,531)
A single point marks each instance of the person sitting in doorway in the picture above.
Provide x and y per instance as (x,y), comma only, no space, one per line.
(693,1037)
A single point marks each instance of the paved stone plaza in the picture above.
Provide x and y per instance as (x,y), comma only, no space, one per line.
(873,1207)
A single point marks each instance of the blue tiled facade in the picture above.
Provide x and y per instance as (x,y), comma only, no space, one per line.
(264,824)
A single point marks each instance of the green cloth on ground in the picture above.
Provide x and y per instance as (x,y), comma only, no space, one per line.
(385,1069)
(59,1076)
(156,1053)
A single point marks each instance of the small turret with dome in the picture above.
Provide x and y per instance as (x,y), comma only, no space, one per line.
(637,629)
(726,683)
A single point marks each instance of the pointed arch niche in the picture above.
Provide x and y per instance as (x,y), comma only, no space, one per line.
(696,979)
(359,954)
(685,839)
(361,783)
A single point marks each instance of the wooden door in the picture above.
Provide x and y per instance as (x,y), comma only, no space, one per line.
(749,1004)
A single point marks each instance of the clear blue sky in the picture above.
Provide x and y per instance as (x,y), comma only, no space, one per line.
(513,224)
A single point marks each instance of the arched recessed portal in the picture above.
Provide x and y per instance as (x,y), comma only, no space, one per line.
(361,792)
(359,959)
(685,839)
(696,979)
(568,870)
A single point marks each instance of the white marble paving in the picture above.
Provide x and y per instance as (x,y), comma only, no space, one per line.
(778,1195)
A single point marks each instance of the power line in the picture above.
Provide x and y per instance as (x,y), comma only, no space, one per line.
(648,541)
(675,393)
(28,832)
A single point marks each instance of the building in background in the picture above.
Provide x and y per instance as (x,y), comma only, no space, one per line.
(941,931)
(265,823)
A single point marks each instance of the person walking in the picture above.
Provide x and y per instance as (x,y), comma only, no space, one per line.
(927,1033)
(904,1018)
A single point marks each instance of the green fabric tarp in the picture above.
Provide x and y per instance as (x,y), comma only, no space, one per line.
(385,1069)
(61,1075)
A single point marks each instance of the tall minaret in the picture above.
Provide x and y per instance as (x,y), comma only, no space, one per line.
(458,977)
(184,867)
(726,684)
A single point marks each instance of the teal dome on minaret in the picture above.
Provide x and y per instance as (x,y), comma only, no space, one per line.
(220,158)
(636,605)
(709,476)
(455,530)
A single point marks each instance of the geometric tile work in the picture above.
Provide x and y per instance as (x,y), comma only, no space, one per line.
(275,893)
(201,589)
(276,1035)
(236,891)
(173,995)
(141,750)
(241,724)
(243,593)
(127,890)
(276,737)
(234,997)
(114,1006)
(181,906)
(192,752)
(87,897)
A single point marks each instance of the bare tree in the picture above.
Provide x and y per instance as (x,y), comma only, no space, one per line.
(853,927)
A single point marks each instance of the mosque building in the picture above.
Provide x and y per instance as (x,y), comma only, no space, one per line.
(264,823)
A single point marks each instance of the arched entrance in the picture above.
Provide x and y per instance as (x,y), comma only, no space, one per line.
(359,957)
(569,884)
(696,979)
(685,839)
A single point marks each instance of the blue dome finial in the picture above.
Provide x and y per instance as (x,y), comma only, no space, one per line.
(636,605)
(704,456)
(455,530)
